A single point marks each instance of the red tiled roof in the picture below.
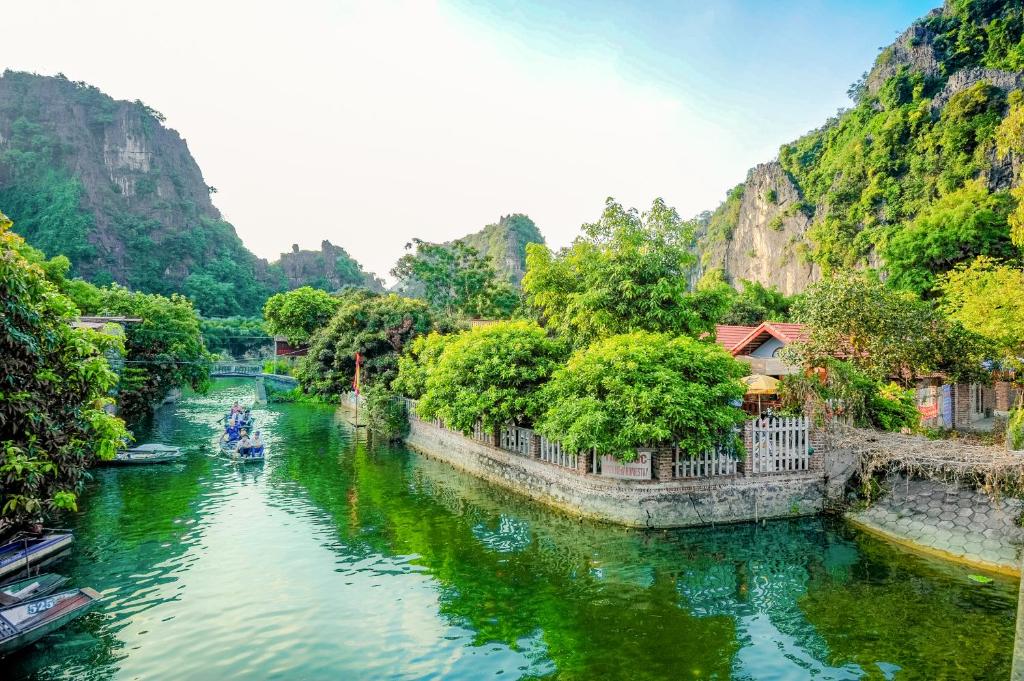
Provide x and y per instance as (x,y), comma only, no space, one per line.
(785,332)
(728,335)
(792,332)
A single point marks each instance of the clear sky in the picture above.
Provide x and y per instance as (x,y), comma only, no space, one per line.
(372,123)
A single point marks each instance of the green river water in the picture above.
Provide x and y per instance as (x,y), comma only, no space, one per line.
(335,560)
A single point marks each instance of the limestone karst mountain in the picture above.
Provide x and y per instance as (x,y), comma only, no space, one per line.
(918,175)
(107,184)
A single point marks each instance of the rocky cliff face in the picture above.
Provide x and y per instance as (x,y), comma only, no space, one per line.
(105,183)
(331,268)
(505,243)
(767,241)
(923,123)
(131,176)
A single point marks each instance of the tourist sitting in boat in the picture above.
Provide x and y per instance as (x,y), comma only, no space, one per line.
(244,447)
(256,444)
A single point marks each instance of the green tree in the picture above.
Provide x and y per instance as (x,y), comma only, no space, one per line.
(882,331)
(236,336)
(454,279)
(490,374)
(643,388)
(626,272)
(956,228)
(212,297)
(378,327)
(164,351)
(54,382)
(756,303)
(987,297)
(416,363)
(298,314)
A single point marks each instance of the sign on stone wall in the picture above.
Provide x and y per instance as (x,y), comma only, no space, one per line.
(946,407)
(637,469)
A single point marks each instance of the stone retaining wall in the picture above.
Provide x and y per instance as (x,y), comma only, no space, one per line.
(634,503)
(956,523)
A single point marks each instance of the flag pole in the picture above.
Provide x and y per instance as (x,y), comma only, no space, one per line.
(355,384)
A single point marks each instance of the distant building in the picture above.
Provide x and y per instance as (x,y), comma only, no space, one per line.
(285,350)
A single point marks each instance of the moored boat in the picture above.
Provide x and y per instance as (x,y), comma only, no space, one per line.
(30,587)
(24,551)
(143,454)
(30,620)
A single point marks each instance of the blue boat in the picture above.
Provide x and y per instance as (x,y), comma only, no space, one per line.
(27,550)
(232,451)
(30,620)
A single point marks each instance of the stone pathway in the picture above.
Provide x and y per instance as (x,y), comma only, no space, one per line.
(962,523)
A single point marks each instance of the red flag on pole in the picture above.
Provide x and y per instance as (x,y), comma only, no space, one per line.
(355,382)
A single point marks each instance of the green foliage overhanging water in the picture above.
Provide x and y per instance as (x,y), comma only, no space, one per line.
(336,559)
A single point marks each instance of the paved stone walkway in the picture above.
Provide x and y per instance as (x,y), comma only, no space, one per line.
(961,523)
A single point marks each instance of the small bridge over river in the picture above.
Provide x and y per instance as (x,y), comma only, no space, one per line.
(255,371)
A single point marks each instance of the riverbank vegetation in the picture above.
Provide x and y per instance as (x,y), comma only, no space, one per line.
(54,389)
(63,381)
(620,351)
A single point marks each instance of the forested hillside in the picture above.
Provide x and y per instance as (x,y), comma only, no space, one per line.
(920,174)
(105,183)
(504,242)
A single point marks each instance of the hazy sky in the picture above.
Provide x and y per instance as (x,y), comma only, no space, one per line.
(372,123)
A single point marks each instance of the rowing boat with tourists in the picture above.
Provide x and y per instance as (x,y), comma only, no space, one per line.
(240,441)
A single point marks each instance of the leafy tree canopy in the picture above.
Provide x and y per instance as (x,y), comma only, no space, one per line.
(163,352)
(54,382)
(455,279)
(298,314)
(490,374)
(987,298)
(378,327)
(956,228)
(236,336)
(884,332)
(844,389)
(756,303)
(416,363)
(628,271)
(642,388)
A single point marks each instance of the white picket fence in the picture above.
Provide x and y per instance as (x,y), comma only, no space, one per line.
(710,464)
(516,440)
(552,452)
(779,445)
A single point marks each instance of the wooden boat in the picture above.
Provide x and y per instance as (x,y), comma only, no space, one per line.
(30,620)
(143,454)
(230,449)
(24,551)
(30,587)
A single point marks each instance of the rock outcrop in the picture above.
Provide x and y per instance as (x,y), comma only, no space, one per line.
(768,241)
(331,268)
(505,243)
(863,182)
(961,80)
(913,50)
(104,182)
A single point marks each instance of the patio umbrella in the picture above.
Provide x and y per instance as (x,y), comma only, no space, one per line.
(759,384)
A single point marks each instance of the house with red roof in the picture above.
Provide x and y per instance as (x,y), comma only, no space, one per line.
(760,346)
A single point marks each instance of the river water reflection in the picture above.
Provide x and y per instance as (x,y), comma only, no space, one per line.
(337,561)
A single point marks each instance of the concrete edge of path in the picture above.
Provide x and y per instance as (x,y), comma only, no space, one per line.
(1009,569)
